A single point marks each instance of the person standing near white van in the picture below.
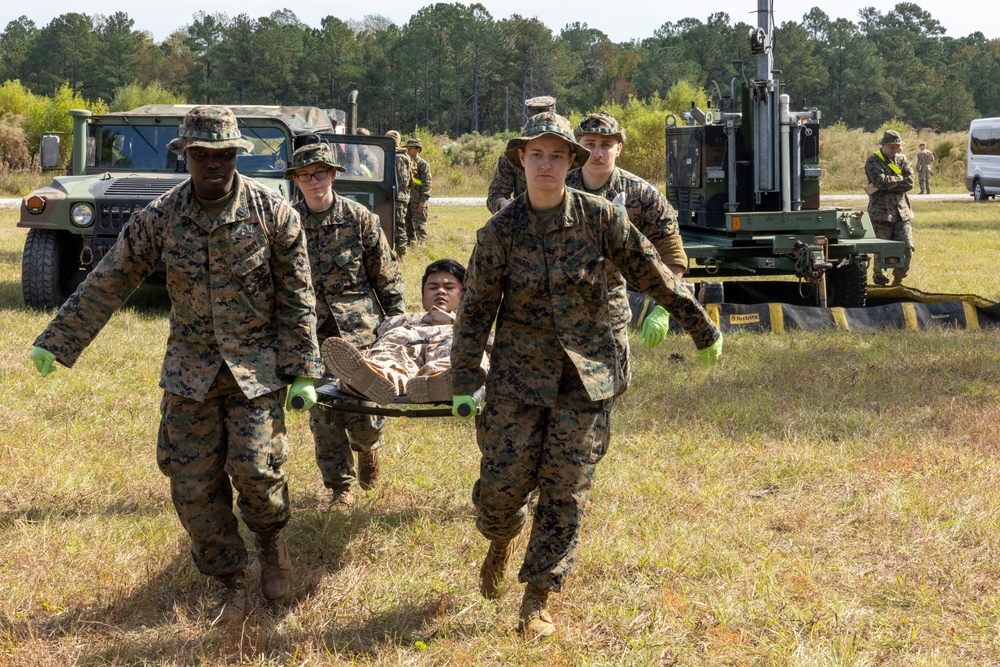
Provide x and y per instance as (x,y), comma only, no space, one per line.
(925,158)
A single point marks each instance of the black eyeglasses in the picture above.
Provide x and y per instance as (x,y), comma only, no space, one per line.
(318,175)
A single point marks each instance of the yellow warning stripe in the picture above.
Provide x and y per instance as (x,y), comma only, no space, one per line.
(777,317)
(910,315)
(971,316)
(840,318)
(713,312)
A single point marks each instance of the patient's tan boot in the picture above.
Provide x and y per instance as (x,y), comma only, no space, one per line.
(535,621)
(346,362)
(430,388)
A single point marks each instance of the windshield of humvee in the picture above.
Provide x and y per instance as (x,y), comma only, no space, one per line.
(363,162)
(144,148)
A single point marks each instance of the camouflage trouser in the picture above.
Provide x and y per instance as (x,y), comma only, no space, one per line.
(202,445)
(925,180)
(338,435)
(416,222)
(400,230)
(896,231)
(555,450)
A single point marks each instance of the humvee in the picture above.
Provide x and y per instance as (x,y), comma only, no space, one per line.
(120,163)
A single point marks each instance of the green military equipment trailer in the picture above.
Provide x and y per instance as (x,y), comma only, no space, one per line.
(745,180)
(120,163)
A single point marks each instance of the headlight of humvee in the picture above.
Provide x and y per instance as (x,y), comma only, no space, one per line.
(82,215)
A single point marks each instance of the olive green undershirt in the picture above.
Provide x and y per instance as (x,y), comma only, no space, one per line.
(214,207)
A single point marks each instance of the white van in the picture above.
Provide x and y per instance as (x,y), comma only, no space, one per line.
(982,174)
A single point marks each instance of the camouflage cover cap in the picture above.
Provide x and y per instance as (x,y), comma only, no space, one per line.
(396,137)
(311,154)
(542,124)
(601,123)
(414,143)
(891,137)
(209,127)
(540,104)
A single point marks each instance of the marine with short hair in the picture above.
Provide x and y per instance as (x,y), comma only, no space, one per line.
(539,271)
(242,328)
(925,158)
(416,210)
(508,182)
(890,177)
(358,284)
(646,206)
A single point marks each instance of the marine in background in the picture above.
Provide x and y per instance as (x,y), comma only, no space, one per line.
(890,176)
(508,182)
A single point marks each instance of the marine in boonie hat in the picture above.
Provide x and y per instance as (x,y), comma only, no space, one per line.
(311,154)
(540,125)
(209,127)
(891,137)
(600,123)
(540,104)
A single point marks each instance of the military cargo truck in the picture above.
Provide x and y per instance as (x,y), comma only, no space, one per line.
(744,178)
(120,163)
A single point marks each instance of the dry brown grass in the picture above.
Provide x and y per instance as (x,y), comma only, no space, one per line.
(821,499)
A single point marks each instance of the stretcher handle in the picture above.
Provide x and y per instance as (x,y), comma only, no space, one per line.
(298,403)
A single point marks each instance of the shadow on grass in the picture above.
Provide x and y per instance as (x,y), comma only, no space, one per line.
(164,612)
(150,299)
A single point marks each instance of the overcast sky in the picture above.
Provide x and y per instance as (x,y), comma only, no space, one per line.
(621,20)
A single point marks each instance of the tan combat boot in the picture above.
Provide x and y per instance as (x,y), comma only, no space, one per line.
(494,569)
(368,469)
(341,498)
(275,565)
(535,621)
(230,602)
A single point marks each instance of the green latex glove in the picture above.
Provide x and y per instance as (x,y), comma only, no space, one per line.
(458,401)
(44,361)
(711,354)
(302,387)
(655,327)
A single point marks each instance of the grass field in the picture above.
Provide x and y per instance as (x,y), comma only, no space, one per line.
(820,499)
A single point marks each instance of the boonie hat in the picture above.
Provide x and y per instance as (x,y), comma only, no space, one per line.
(395,136)
(209,127)
(600,123)
(540,104)
(540,125)
(311,154)
(411,143)
(891,137)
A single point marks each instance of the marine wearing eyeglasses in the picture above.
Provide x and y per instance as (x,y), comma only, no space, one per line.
(357,284)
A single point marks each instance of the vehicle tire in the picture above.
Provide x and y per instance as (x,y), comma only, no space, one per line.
(847,286)
(50,268)
(978,191)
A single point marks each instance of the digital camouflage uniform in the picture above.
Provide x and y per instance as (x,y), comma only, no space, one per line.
(404,183)
(889,206)
(925,158)
(556,364)
(416,220)
(242,327)
(508,181)
(357,283)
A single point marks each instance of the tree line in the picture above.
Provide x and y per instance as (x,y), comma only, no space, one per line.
(454,68)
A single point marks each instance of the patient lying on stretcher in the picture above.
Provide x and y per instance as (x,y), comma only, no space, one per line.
(412,352)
